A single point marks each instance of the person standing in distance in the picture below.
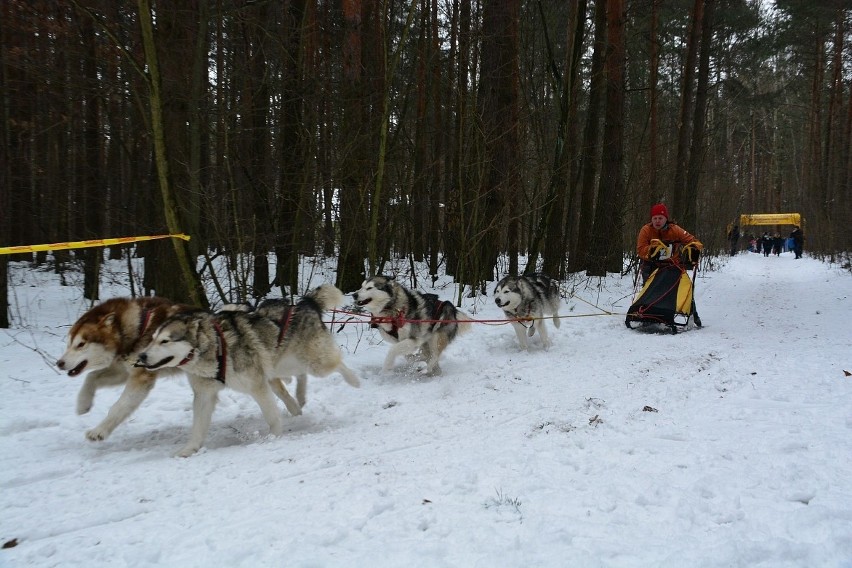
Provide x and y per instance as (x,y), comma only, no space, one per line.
(798,241)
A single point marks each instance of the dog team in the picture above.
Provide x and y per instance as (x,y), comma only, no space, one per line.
(135,341)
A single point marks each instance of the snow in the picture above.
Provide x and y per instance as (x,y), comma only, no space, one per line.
(729,445)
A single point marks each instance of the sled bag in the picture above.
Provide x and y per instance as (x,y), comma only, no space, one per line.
(667,293)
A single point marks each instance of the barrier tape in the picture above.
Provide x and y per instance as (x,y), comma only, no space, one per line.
(87,244)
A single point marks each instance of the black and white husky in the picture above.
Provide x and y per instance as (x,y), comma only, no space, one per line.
(246,351)
(533,296)
(411,320)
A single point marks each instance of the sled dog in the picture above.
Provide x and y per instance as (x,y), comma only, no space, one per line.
(104,341)
(411,320)
(532,296)
(294,405)
(246,351)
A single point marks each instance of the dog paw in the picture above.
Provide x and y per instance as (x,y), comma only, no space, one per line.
(97,434)
(186,451)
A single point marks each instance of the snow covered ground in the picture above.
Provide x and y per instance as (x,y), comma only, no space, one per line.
(720,447)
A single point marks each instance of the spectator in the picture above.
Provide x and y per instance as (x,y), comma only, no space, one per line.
(798,241)
(734,239)
(766,244)
(777,244)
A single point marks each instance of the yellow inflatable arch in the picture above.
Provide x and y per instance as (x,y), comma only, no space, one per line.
(771,219)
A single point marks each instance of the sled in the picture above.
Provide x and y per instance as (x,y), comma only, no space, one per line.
(666,299)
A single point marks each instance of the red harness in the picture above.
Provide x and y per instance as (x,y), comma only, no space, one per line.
(221,352)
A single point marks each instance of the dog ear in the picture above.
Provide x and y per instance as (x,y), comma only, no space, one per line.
(108,320)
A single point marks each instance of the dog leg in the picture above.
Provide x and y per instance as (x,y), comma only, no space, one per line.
(404,347)
(556,320)
(542,331)
(436,346)
(348,375)
(302,389)
(262,395)
(205,393)
(115,374)
(138,385)
(293,407)
(521,332)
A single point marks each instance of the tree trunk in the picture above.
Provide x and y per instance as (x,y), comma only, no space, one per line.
(498,116)
(605,251)
(293,211)
(189,289)
(689,213)
(353,181)
(93,202)
(687,102)
(550,234)
(590,158)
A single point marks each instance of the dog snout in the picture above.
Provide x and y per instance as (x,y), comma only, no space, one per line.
(355,296)
(142,357)
(61,364)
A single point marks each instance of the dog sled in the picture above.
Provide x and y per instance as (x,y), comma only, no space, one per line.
(666,299)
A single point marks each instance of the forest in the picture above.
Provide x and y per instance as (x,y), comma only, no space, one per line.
(477,137)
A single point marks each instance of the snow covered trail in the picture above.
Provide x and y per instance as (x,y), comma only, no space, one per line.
(719,447)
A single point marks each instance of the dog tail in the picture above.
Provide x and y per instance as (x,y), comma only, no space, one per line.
(465,321)
(327,296)
(241,307)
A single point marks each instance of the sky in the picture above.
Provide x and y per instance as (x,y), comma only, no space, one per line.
(725,446)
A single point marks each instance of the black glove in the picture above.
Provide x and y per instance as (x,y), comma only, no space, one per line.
(690,253)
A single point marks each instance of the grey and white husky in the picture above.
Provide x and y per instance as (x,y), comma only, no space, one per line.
(411,320)
(246,351)
(532,296)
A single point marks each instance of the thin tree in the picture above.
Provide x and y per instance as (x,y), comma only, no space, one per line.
(192,290)
(605,252)
(354,170)
(680,203)
(579,244)
(498,107)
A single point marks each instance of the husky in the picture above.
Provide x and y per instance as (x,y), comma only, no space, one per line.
(103,342)
(411,321)
(246,351)
(533,296)
(294,405)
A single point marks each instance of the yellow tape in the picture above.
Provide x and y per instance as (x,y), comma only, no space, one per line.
(87,244)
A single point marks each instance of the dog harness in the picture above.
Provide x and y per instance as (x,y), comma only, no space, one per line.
(395,322)
(221,352)
(284,324)
(399,320)
(144,320)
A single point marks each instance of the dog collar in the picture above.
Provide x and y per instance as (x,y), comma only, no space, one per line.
(189,357)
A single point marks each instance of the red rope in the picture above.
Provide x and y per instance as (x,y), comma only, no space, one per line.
(399,319)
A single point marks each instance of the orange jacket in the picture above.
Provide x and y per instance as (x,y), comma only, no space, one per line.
(670,233)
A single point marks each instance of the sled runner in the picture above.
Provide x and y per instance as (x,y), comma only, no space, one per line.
(666,298)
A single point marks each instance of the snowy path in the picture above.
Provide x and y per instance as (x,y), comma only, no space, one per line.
(509,459)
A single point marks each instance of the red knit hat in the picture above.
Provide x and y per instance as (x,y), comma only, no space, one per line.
(660,209)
